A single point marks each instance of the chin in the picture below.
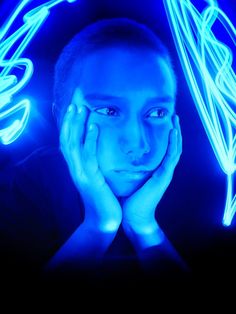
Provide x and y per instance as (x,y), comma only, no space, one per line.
(125,190)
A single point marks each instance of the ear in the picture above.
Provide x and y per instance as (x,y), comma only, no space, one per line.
(54,110)
(55,113)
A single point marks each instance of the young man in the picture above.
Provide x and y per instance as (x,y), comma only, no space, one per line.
(120,139)
(120,136)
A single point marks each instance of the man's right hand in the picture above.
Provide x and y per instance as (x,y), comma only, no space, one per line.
(78,143)
(103,214)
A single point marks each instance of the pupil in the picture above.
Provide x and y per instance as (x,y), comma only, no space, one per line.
(110,111)
(160,113)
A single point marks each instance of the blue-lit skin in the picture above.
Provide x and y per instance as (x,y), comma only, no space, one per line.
(124,163)
(133,136)
(207,64)
(10,84)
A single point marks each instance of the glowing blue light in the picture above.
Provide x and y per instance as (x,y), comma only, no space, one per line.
(9,83)
(207,64)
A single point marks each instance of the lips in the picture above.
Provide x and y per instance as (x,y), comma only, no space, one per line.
(133,174)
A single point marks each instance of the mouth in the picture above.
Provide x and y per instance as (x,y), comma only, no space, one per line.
(133,174)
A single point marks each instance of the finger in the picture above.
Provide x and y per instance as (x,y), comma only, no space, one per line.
(90,145)
(78,127)
(176,124)
(72,133)
(172,146)
(166,169)
(65,128)
(81,117)
(76,139)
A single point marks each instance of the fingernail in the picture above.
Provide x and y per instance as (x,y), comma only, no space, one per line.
(70,108)
(80,109)
(91,127)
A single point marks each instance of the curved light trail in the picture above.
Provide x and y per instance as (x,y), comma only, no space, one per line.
(16,70)
(207,65)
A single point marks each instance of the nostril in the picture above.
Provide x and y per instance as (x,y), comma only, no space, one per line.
(135,141)
(136,152)
(136,157)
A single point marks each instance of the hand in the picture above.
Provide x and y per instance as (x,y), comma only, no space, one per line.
(139,209)
(79,146)
(87,245)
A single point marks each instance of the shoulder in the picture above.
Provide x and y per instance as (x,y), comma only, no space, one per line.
(42,166)
(42,198)
(43,178)
(41,157)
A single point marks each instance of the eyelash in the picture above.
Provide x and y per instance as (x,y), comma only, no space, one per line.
(162,112)
(106,113)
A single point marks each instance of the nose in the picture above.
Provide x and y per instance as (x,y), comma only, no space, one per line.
(134,140)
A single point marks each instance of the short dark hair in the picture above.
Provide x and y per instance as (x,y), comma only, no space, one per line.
(106,32)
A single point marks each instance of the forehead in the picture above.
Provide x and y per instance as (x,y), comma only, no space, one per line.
(126,72)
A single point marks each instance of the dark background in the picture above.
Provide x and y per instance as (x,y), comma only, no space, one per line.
(191,211)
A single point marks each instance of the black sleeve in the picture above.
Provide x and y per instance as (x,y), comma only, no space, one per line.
(164,262)
(39,210)
(27,227)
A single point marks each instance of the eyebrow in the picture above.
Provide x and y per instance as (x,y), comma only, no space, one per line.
(97,96)
(163,99)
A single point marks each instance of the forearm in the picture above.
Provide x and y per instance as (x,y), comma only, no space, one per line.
(144,237)
(84,249)
(155,252)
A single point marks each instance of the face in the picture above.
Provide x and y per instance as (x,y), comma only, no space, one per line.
(131,98)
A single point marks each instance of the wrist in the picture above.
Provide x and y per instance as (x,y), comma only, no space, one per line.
(145,235)
(103,226)
(101,218)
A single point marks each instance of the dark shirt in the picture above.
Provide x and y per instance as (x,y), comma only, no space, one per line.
(42,208)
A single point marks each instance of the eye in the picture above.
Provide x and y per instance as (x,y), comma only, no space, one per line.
(107,111)
(157,113)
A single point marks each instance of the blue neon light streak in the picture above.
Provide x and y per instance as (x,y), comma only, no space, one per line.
(207,65)
(10,84)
